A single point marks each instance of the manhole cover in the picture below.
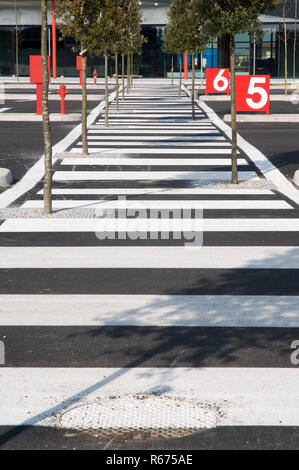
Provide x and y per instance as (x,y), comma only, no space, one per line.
(140,417)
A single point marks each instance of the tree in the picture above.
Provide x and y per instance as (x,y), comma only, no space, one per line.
(189,33)
(172,40)
(45,111)
(133,38)
(80,19)
(170,46)
(108,38)
(233,17)
(118,31)
(295,38)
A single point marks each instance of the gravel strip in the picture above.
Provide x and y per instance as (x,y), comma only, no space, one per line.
(19,213)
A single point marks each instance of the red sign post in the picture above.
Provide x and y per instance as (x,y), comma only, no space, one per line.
(186,72)
(36,76)
(253,93)
(217,80)
(54,48)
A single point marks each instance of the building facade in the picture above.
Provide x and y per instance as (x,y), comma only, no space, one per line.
(20,38)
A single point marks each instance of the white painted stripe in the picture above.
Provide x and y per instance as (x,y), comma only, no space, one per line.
(139,132)
(150,310)
(260,257)
(161,191)
(2,110)
(149,225)
(163,205)
(141,124)
(136,106)
(156,112)
(156,143)
(154,150)
(242,396)
(152,97)
(82,161)
(148,175)
(157,115)
(124,124)
(155,138)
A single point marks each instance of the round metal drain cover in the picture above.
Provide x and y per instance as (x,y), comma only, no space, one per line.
(140,417)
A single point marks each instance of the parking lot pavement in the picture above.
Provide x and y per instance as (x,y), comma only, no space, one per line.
(22,141)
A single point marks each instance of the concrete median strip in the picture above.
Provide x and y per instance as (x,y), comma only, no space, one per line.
(31,117)
(263,118)
(227,98)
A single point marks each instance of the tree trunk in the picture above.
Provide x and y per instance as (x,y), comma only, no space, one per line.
(193,86)
(295,41)
(123,75)
(132,68)
(128,73)
(84,103)
(180,86)
(17,44)
(285,51)
(233,111)
(116,84)
(106,92)
(171,69)
(45,111)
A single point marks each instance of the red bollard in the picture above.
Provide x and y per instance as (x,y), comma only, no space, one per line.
(62,92)
(95,75)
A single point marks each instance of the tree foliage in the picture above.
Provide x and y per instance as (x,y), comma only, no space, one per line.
(185,30)
(102,25)
(80,19)
(233,16)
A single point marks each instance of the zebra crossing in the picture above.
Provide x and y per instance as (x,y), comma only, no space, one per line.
(160,278)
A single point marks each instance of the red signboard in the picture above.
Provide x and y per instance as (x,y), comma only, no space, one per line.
(36,70)
(253,93)
(36,76)
(79,62)
(217,81)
